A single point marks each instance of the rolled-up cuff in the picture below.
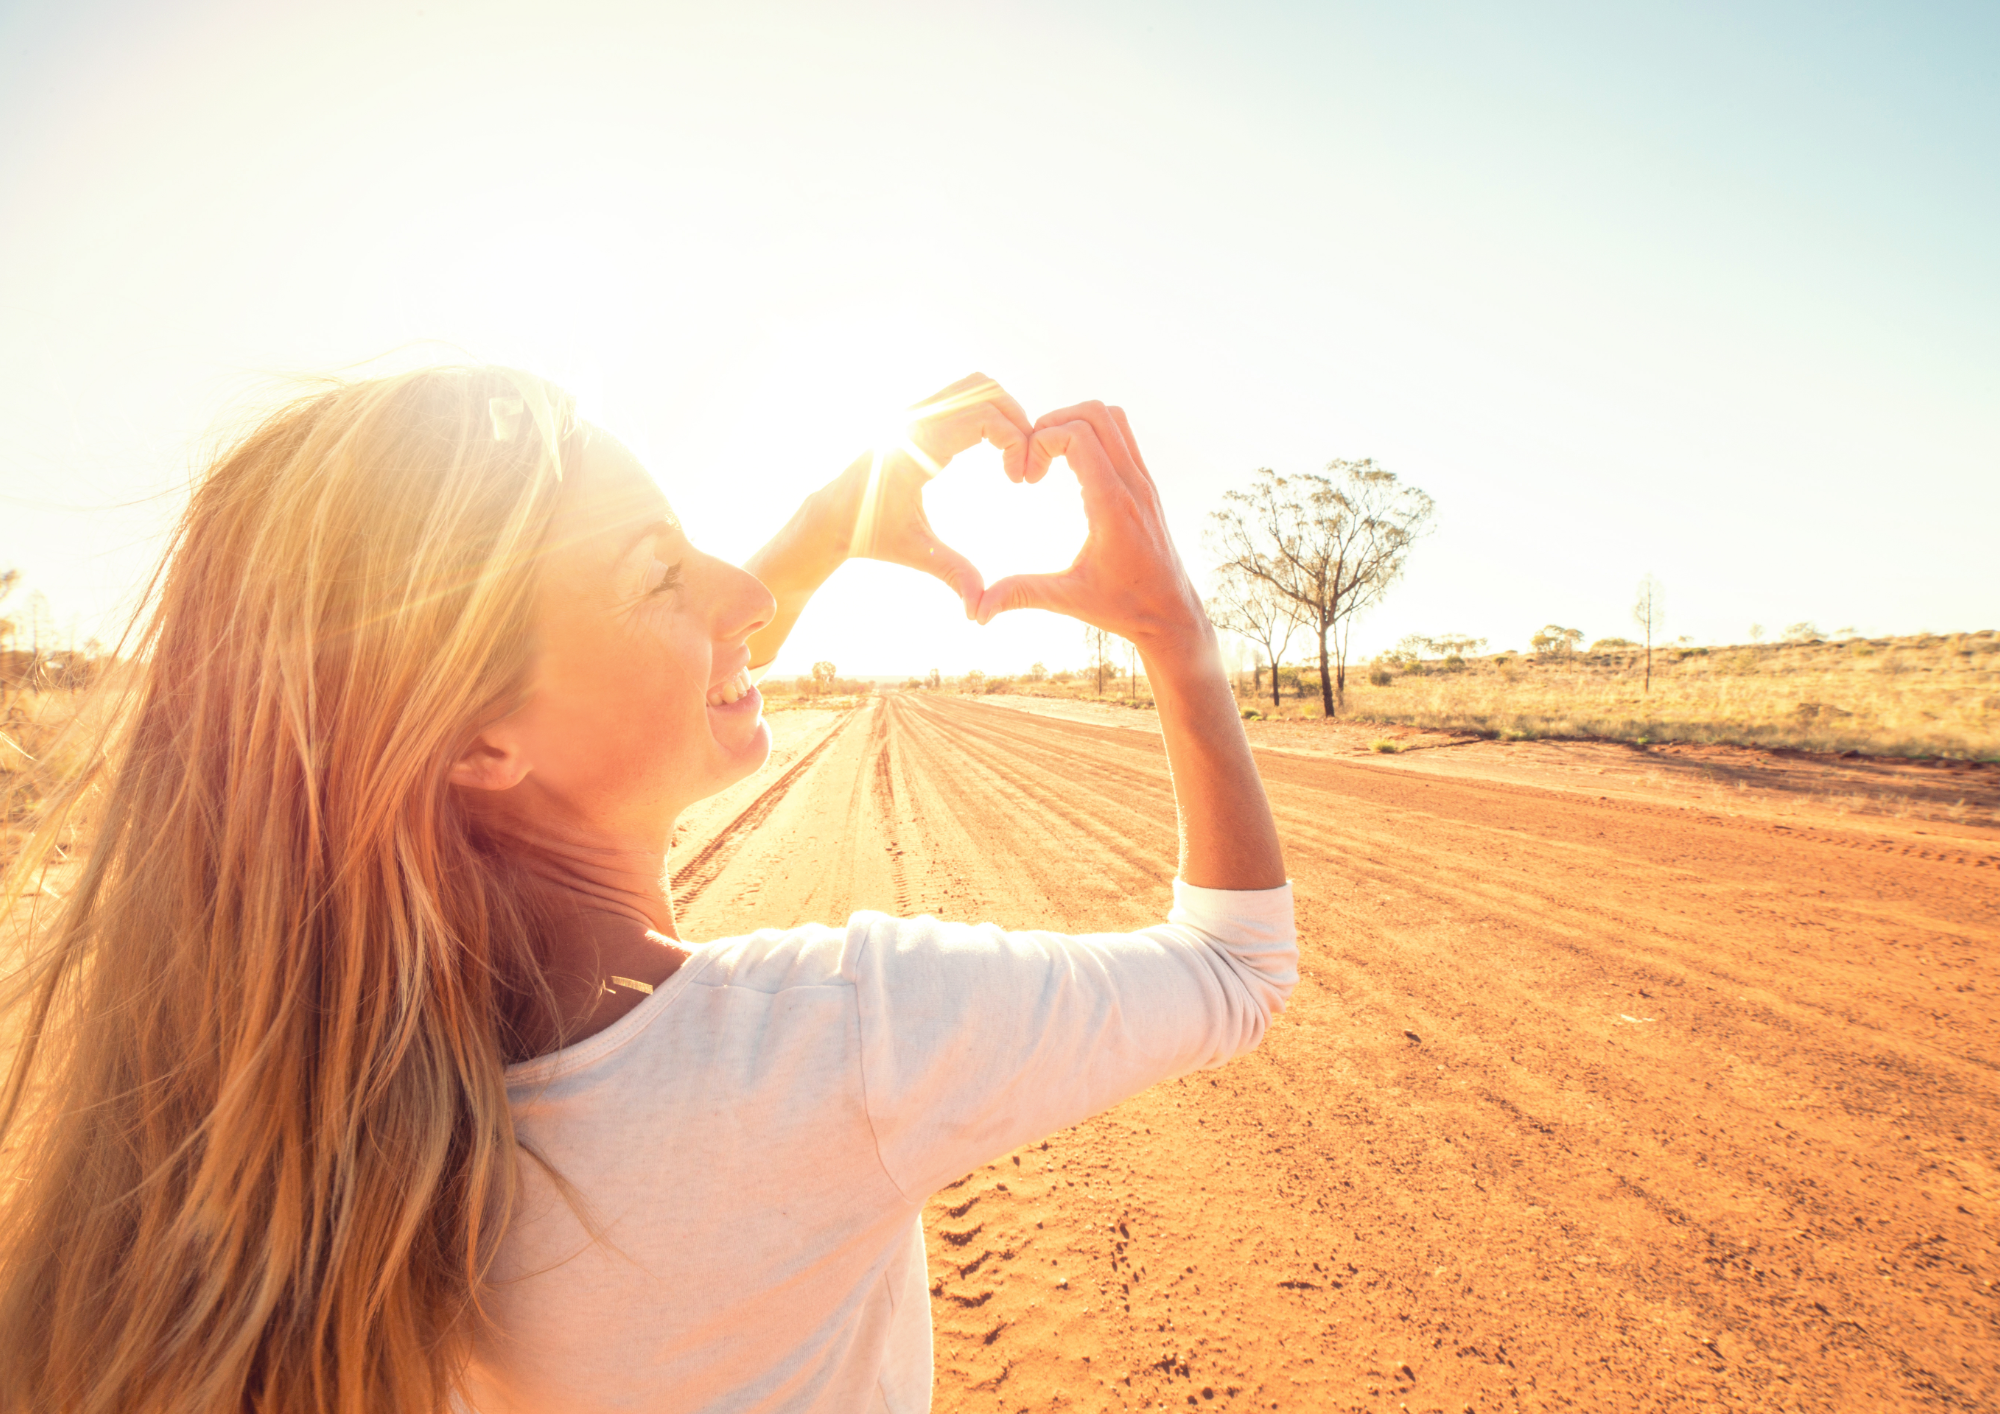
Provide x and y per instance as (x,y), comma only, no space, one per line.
(1250,917)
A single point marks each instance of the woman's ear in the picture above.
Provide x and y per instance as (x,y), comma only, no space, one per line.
(493,761)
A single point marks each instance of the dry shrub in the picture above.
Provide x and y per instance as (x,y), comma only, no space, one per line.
(1919,696)
(44,737)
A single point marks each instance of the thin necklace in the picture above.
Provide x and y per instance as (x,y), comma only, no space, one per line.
(632,984)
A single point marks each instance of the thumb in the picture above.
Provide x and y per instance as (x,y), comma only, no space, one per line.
(955,570)
(1023,591)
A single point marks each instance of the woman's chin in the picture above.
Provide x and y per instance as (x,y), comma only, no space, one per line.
(740,730)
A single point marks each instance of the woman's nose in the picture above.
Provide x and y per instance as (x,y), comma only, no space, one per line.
(743,604)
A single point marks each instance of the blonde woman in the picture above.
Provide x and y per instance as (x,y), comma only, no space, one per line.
(358,1063)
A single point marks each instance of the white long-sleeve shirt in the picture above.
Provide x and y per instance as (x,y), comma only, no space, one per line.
(749,1149)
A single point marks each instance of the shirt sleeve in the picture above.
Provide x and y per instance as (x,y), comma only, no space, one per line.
(976,1040)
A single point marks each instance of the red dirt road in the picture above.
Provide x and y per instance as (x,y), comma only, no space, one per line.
(1592,1103)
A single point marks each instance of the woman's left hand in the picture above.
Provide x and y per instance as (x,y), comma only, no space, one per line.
(875,509)
(886,488)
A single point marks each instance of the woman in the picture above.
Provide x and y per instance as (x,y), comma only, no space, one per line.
(362,1067)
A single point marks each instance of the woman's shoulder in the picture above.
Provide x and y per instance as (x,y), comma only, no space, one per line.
(777,959)
(824,955)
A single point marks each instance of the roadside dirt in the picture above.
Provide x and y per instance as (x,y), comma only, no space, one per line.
(1616,1080)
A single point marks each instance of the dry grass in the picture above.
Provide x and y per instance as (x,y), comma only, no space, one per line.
(41,746)
(1927,695)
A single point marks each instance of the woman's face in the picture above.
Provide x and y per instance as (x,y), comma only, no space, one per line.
(639,704)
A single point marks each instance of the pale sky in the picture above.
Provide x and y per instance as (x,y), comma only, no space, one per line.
(1709,291)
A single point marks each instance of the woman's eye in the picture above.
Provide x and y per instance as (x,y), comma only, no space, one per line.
(669,581)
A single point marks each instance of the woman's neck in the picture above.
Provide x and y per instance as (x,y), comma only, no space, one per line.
(606,913)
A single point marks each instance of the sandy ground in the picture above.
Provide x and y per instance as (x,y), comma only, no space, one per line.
(1617,1079)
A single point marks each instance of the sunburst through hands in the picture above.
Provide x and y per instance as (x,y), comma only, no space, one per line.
(889,520)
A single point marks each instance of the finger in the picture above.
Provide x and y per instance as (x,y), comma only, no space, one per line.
(955,570)
(1131,442)
(980,407)
(1077,443)
(971,388)
(1024,591)
(1109,435)
(1008,431)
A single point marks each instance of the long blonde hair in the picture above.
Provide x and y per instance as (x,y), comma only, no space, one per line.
(255,1141)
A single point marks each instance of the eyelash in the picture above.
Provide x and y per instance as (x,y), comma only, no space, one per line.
(671,580)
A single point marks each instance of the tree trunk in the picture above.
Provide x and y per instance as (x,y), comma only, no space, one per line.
(1340,669)
(1274,684)
(1325,678)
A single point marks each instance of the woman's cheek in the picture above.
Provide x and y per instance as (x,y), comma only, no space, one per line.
(683,656)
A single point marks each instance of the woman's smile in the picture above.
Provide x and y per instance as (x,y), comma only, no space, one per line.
(733,689)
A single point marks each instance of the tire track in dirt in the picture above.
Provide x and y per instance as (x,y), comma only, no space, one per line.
(1580,1103)
(691,878)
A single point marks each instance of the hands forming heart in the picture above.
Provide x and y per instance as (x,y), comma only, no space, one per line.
(1127,577)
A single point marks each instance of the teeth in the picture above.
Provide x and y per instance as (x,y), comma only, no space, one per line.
(731,690)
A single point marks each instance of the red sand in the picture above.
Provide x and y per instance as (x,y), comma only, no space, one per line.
(1617,1080)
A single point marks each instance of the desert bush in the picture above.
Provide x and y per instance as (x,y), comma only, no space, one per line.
(1555,641)
(1903,699)
(46,735)
(1380,677)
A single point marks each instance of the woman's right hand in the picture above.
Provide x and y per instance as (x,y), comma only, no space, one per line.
(1127,578)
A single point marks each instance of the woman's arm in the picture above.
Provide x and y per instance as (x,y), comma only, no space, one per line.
(1129,579)
(875,509)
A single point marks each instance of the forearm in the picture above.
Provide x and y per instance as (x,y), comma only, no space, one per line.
(1228,839)
(796,561)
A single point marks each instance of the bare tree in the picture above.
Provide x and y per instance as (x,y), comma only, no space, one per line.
(1098,642)
(1332,544)
(41,624)
(1254,609)
(1647,611)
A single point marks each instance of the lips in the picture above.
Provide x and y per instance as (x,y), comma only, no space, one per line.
(730,689)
